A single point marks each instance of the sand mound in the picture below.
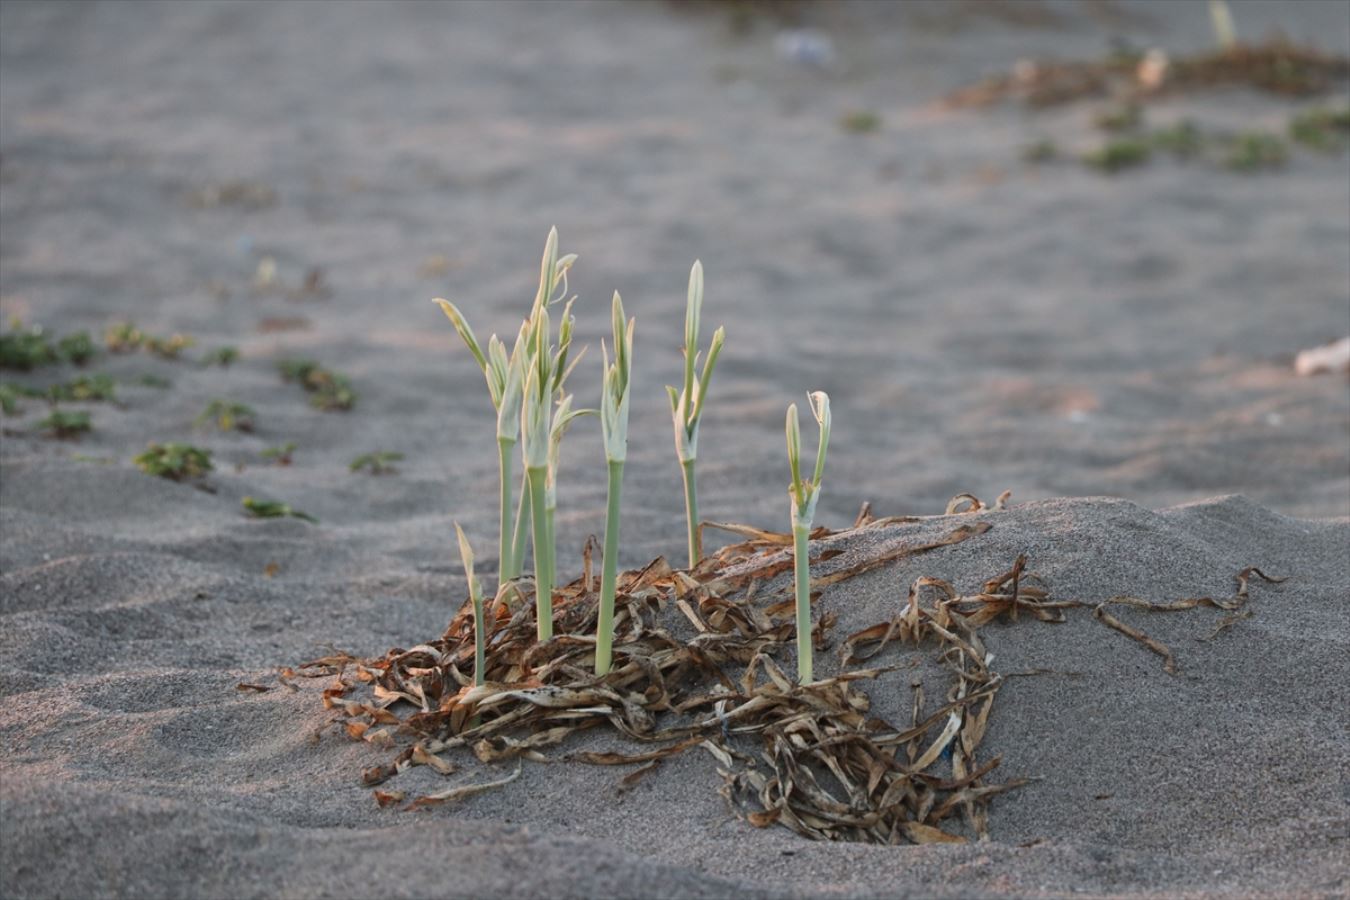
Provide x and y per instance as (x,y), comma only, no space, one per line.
(1224,777)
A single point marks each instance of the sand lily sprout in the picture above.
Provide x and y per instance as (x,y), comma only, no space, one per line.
(686,405)
(505,377)
(476,598)
(505,388)
(804,494)
(614,427)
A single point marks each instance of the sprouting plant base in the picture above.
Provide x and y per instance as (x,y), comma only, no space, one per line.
(825,767)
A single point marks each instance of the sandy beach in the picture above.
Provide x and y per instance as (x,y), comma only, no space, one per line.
(298,182)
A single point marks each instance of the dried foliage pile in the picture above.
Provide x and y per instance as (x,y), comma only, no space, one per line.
(1277,66)
(809,757)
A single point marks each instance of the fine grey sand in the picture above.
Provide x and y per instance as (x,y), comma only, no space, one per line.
(979,324)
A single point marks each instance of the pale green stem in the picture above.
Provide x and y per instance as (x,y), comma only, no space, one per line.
(801,533)
(479,642)
(551,536)
(543,566)
(691,514)
(609,574)
(522,527)
(506,566)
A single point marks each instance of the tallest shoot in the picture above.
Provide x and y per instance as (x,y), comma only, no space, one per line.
(686,405)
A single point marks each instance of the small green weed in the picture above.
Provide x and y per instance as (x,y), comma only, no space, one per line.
(171,347)
(154,381)
(1125,117)
(274,509)
(176,462)
(1117,155)
(381,462)
(66,424)
(860,122)
(1256,151)
(123,337)
(24,349)
(328,390)
(85,388)
(223,357)
(227,416)
(1183,140)
(10,394)
(77,348)
(281,455)
(1321,129)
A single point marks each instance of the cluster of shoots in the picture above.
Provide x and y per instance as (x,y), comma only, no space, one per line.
(327,390)
(381,462)
(803,493)
(274,509)
(177,462)
(686,406)
(524,388)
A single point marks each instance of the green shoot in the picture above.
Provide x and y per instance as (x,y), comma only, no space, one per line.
(66,424)
(475,597)
(227,416)
(614,426)
(686,405)
(545,369)
(804,493)
(1225,32)
(280,455)
(25,349)
(174,461)
(155,381)
(381,462)
(83,389)
(505,388)
(224,357)
(563,417)
(273,509)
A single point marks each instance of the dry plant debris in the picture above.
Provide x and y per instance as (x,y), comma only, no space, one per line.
(1277,66)
(808,757)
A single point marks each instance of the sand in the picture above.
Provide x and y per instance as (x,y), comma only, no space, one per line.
(980,325)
